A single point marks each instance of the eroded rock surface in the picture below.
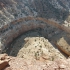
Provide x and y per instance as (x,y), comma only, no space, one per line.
(4,61)
(28,47)
(11,26)
(32,64)
(14,63)
(11,10)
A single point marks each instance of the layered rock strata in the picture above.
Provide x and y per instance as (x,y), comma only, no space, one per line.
(17,27)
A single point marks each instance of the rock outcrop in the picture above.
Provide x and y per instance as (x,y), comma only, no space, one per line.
(32,64)
(19,16)
(17,27)
(13,10)
(4,61)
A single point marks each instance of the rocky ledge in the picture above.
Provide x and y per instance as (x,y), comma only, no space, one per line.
(14,63)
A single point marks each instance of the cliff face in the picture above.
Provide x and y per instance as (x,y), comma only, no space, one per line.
(19,16)
(14,9)
(57,9)
(11,10)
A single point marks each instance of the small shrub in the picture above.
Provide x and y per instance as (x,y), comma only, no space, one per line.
(37,55)
(40,46)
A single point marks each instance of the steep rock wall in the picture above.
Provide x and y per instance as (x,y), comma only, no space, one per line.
(11,10)
(17,27)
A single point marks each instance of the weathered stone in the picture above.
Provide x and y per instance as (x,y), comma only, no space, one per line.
(23,64)
(4,59)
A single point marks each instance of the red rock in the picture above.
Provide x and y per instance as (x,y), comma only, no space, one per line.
(22,64)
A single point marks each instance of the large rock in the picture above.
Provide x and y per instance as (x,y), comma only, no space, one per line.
(4,59)
(20,64)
